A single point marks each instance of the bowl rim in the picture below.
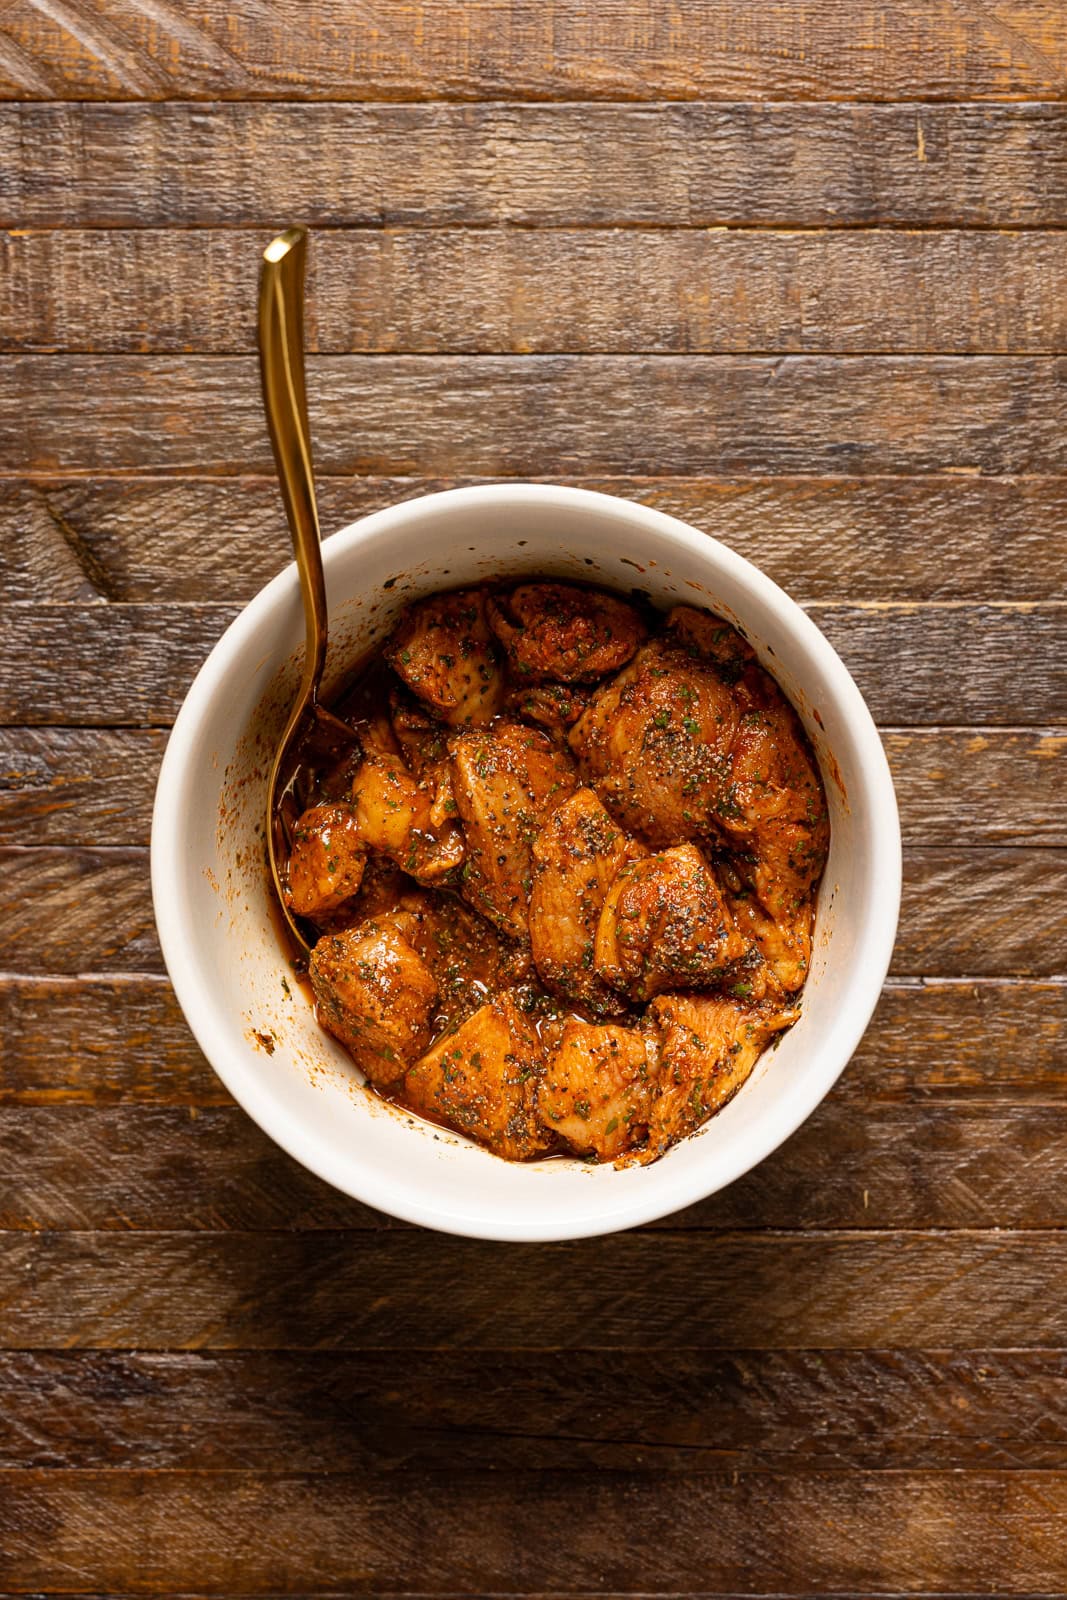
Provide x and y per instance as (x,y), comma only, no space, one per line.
(875,936)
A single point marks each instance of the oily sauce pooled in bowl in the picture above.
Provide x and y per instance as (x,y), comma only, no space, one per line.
(562,889)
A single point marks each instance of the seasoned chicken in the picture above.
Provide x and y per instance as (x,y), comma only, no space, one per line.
(655,742)
(564,631)
(444,652)
(665,925)
(375,994)
(467,957)
(505,780)
(421,738)
(598,1090)
(482,1080)
(565,874)
(402,819)
(785,945)
(555,706)
(576,856)
(326,862)
(695,741)
(707,1046)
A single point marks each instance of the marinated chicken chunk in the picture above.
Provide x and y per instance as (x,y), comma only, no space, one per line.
(785,945)
(555,706)
(402,819)
(707,1046)
(576,857)
(655,741)
(421,739)
(598,1091)
(444,652)
(482,1080)
(695,741)
(505,780)
(469,961)
(665,925)
(564,631)
(375,994)
(326,861)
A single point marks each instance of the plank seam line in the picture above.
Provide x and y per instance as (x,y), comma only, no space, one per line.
(497,103)
(767,1235)
(954,476)
(61,352)
(718,224)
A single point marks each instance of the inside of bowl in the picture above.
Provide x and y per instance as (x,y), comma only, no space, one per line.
(263,1037)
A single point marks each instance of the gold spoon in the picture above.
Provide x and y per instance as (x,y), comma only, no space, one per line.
(281,365)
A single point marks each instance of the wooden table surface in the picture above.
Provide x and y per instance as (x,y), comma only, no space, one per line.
(795,272)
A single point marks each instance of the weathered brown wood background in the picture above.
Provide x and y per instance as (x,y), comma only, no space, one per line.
(796,272)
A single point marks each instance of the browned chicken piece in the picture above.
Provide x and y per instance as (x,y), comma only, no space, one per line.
(665,925)
(375,994)
(399,817)
(326,862)
(695,741)
(444,652)
(555,706)
(576,856)
(422,739)
(655,741)
(482,1080)
(386,889)
(598,1090)
(707,1046)
(785,945)
(468,959)
(564,631)
(506,780)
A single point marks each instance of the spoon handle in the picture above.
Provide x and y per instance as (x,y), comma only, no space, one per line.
(281,366)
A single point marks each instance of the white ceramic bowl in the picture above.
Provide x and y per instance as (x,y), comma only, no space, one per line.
(210,888)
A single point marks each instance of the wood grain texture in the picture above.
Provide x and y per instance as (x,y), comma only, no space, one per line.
(123,1041)
(987,912)
(852,1165)
(836,538)
(429,50)
(513,415)
(697,165)
(478,1532)
(916,665)
(500,1411)
(651,1290)
(499,290)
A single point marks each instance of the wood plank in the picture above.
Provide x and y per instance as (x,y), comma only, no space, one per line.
(103,1041)
(446,291)
(916,665)
(95,786)
(477,1532)
(75,786)
(511,415)
(122,1040)
(822,539)
(652,1290)
(458,1410)
(614,51)
(989,912)
(693,165)
(853,1165)
(77,911)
